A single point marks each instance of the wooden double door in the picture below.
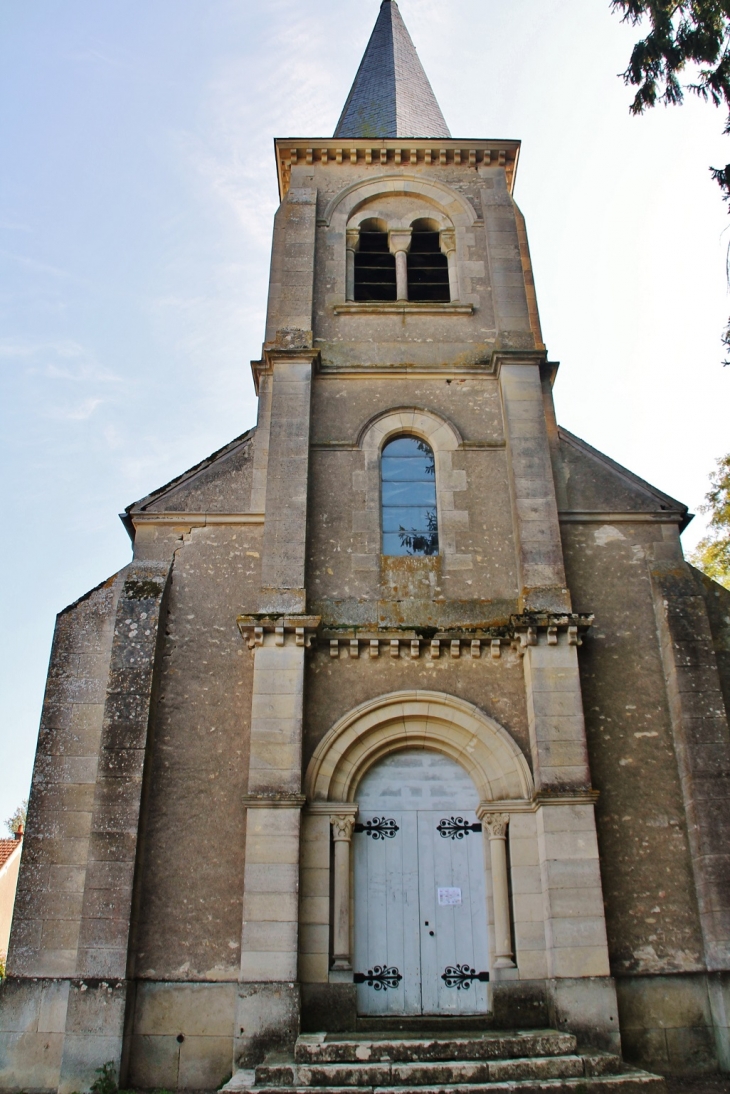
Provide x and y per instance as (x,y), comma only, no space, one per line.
(419,888)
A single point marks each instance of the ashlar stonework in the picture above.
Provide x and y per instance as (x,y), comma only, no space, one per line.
(191,895)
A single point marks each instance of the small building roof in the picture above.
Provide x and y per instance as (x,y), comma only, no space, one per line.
(391,95)
(7,846)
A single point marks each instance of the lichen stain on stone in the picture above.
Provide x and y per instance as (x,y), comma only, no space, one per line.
(141,590)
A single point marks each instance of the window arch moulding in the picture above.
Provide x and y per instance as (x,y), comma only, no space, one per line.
(444,439)
(377,199)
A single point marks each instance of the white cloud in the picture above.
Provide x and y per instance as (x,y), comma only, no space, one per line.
(79,413)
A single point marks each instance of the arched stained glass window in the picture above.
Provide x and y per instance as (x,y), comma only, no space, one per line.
(408,476)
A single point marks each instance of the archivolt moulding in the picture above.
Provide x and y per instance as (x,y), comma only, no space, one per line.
(385,214)
(413,719)
(439,432)
(451,203)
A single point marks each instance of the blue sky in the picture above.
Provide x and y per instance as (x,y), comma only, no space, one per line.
(136,198)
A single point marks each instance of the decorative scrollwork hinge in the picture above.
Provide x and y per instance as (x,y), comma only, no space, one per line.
(380,977)
(461,977)
(456,828)
(378,828)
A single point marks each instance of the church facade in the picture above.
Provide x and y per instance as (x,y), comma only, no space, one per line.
(407,713)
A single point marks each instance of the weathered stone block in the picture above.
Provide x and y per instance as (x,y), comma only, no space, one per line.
(153,1062)
(195,1010)
(267,1017)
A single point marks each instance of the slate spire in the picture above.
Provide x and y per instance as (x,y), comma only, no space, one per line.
(391,95)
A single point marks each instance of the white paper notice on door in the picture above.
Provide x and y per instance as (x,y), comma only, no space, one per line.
(449,896)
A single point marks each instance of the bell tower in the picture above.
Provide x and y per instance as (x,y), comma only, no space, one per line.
(402,326)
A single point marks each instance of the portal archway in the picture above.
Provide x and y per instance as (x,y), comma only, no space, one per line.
(426,721)
(406,719)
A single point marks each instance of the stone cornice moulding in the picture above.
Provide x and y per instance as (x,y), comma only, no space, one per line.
(395,152)
(273,352)
(194,520)
(530,357)
(415,372)
(587,516)
(369,307)
(350,446)
(274,801)
(522,631)
(254,628)
(329,809)
(531,805)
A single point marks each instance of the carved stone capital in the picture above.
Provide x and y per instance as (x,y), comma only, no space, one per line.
(399,239)
(342,827)
(447,240)
(496,825)
(352,239)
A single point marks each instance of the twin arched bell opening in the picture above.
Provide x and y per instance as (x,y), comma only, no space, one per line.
(399,264)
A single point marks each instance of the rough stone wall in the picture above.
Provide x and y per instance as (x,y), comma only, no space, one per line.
(592,484)
(45,934)
(658,745)
(334,686)
(341,406)
(701,742)
(717,604)
(47,919)
(651,908)
(191,886)
(223,488)
(483,587)
(289,316)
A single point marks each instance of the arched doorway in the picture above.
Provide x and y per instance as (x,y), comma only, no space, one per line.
(420,915)
(348,756)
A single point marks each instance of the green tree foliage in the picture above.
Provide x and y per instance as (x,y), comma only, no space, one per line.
(712,555)
(691,34)
(18,818)
(687,49)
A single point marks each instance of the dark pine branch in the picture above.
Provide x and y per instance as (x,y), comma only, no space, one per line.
(689,34)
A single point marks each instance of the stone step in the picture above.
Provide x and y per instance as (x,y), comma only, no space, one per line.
(274,1073)
(320,1048)
(430,1025)
(627,1082)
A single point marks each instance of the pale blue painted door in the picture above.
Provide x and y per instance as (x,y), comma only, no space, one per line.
(420,905)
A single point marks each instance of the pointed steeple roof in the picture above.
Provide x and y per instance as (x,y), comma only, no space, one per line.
(391,95)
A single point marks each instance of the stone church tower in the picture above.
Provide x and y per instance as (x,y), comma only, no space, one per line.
(406,716)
